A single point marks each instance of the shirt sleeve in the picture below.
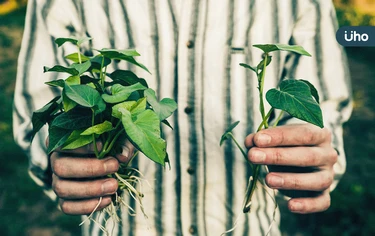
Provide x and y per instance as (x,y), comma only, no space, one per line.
(37,50)
(327,70)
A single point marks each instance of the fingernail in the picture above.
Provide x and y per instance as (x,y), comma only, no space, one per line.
(257,156)
(296,207)
(263,139)
(276,181)
(109,187)
(111,165)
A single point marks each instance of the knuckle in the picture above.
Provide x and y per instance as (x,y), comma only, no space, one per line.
(326,181)
(58,167)
(296,183)
(308,136)
(278,156)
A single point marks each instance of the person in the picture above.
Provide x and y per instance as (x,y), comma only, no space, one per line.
(193,49)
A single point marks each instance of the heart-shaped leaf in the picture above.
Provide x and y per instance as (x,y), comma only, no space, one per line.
(82,68)
(121,93)
(124,105)
(56,83)
(43,115)
(57,137)
(164,108)
(76,140)
(295,98)
(73,119)
(99,128)
(61,69)
(61,41)
(126,55)
(144,133)
(85,96)
(74,57)
(313,90)
(282,47)
(126,77)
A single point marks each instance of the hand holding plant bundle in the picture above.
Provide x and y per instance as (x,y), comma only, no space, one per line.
(104,109)
(299,98)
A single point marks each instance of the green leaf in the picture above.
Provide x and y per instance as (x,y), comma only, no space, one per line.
(282,47)
(83,40)
(124,105)
(121,93)
(57,137)
(43,115)
(85,96)
(295,98)
(99,128)
(56,83)
(61,41)
(96,62)
(78,42)
(249,67)
(313,90)
(73,80)
(75,140)
(73,119)
(164,108)
(138,107)
(126,55)
(68,103)
(144,133)
(227,132)
(74,57)
(260,66)
(82,68)
(126,77)
(61,69)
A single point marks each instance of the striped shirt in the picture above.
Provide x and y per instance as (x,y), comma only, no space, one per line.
(192,48)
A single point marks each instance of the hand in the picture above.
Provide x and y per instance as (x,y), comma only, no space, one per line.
(297,146)
(79,179)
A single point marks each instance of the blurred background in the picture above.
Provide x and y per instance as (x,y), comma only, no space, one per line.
(25,210)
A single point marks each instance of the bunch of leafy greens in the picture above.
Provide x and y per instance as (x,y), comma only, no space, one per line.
(97,106)
(299,98)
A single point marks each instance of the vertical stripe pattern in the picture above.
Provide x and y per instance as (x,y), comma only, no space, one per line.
(193,48)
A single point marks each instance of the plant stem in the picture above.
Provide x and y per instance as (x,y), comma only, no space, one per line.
(261,88)
(242,151)
(278,118)
(265,120)
(251,189)
(101,72)
(93,135)
(79,55)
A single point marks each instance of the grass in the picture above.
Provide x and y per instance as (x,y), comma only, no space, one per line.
(25,210)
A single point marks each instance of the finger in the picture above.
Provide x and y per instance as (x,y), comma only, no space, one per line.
(70,167)
(313,181)
(83,207)
(293,156)
(310,205)
(290,135)
(70,189)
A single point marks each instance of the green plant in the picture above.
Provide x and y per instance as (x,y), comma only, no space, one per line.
(299,98)
(97,106)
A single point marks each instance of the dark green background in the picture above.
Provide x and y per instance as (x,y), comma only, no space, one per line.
(25,210)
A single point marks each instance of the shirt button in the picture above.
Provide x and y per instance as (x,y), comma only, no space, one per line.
(192,230)
(190,44)
(190,170)
(188,110)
